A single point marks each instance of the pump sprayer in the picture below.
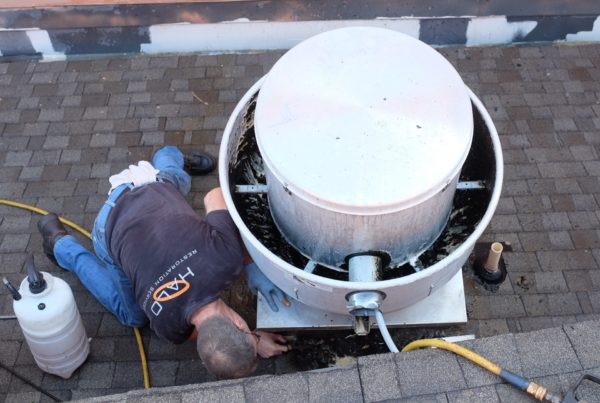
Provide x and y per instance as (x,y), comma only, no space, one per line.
(52,326)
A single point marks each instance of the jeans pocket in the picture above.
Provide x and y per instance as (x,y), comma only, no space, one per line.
(97,235)
(99,242)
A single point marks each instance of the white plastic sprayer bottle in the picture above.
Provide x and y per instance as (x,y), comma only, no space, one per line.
(50,320)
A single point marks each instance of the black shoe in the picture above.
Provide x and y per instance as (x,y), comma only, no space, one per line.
(198,163)
(52,230)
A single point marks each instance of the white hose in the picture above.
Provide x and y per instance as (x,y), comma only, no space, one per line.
(384,332)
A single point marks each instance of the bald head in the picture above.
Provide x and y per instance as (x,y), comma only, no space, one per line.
(225,350)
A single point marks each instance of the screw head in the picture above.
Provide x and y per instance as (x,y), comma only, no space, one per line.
(41,306)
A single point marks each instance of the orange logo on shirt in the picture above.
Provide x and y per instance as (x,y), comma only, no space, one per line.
(162,295)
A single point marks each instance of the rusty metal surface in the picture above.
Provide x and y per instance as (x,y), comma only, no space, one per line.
(286,10)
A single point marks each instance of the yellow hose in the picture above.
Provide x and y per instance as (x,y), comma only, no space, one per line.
(537,391)
(455,348)
(44,212)
(76,227)
(140,343)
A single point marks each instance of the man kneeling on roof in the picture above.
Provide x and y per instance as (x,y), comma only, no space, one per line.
(156,260)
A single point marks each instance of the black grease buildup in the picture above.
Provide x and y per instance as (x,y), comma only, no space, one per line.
(468,208)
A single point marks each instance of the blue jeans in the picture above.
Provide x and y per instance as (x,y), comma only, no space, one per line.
(105,280)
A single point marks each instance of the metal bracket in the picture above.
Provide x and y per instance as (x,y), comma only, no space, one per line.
(468,185)
(310,266)
(251,188)
(571,396)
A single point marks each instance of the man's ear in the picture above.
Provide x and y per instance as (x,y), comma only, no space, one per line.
(240,323)
(237,320)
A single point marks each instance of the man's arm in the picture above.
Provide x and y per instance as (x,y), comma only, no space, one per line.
(257,281)
(214,200)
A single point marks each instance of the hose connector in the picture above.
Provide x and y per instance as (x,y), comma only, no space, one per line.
(537,391)
(541,393)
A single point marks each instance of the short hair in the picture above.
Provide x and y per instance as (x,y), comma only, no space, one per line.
(225,350)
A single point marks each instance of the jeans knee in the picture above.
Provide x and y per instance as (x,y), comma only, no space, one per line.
(134,319)
(65,249)
(64,242)
(168,158)
(170,150)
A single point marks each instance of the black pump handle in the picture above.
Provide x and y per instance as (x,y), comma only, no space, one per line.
(37,284)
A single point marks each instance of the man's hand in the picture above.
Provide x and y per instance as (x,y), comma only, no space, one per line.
(257,281)
(271,344)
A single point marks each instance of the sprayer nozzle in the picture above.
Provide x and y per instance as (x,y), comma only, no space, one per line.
(15,294)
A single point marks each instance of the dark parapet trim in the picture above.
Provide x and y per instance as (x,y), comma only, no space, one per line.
(16,43)
(444,31)
(165,38)
(556,28)
(99,40)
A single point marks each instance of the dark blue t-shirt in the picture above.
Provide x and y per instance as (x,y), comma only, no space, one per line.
(176,261)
